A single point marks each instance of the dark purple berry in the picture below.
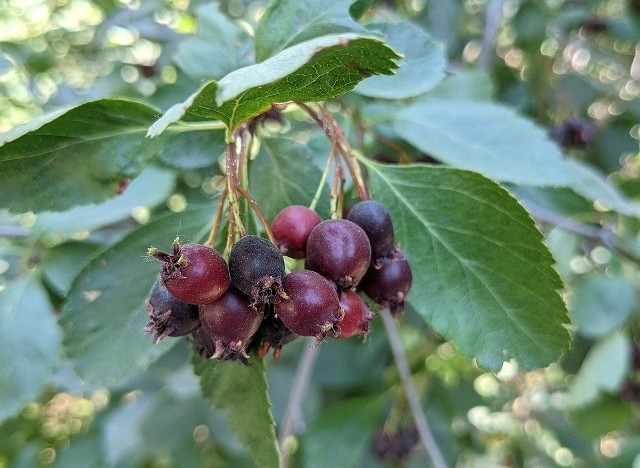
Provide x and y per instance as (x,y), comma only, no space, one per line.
(291,228)
(340,251)
(357,315)
(272,334)
(388,281)
(312,307)
(395,445)
(193,273)
(375,221)
(257,268)
(167,315)
(230,321)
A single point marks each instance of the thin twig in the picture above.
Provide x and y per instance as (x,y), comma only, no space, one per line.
(426,435)
(493,16)
(216,222)
(293,420)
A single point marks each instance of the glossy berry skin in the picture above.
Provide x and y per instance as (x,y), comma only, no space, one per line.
(312,307)
(291,228)
(230,321)
(193,273)
(357,315)
(388,281)
(257,268)
(375,220)
(167,315)
(340,251)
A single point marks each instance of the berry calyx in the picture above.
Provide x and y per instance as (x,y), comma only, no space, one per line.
(291,228)
(193,273)
(357,315)
(339,250)
(167,315)
(272,334)
(375,220)
(388,281)
(231,322)
(257,268)
(312,307)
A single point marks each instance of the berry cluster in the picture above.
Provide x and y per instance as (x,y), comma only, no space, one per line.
(250,301)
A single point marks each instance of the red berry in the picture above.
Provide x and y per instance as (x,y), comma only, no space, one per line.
(388,281)
(340,251)
(230,321)
(167,315)
(257,268)
(193,273)
(291,228)
(375,220)
(357,315)
(312,307)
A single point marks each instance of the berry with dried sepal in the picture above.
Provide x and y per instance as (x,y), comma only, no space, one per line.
(231,322)
(193,273)
(388,281)
(339,250)
(291,228)
(167,315)
(272,334)
(357,315)
(312,307)
(257,268)
(375,220)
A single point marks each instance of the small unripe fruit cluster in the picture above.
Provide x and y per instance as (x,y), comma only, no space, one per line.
(252,302)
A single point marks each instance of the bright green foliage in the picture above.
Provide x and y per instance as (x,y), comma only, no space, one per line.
(483,278)
(242,392)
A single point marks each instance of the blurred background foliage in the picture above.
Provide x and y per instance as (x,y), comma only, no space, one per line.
(572,66)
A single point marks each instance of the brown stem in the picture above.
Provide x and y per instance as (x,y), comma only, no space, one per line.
(216,221)
(254,206)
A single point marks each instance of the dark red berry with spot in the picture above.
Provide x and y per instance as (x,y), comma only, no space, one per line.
(388,281)
(375,220)
(272,334)
(312,307)
(231,322)
(340,251)
(193,273)
(357,315)
(167,315)
(291,228)
(257,268)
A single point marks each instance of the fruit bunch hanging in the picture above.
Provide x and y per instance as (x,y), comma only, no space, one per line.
(245,298)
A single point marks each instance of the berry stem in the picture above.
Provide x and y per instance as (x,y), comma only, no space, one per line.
(293,419)
(232,183)
(254,206)
(216,221)
(424,430)
(323,181)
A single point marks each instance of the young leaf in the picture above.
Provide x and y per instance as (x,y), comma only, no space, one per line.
(29,343)
(422,65)
(482,276)
(242,391)
(341,434)
(315,70)
(289,22)
(105,314)
(76,156)
(293,178)
(219,47)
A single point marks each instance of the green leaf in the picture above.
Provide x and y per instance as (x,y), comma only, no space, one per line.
(292,177)
(421,69)
(75,156)
(104,315)
(29,343)
(602,303)
(607,414)
(219,47)
(62,263)
(482,276)
(289,22)
(242,391)
(603,370)
(483,137)
(315,70)
(341,434)
(193,150)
